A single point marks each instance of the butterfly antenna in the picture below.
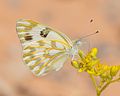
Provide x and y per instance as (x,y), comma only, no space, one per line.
(89,35)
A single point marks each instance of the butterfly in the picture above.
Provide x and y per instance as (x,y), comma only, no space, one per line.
(44,49)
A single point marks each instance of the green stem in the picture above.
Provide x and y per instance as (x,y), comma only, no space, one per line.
(98,94)
(94,83)
(107,84)
(104,87)
(115,80)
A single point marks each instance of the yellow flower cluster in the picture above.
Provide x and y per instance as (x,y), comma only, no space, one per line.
(91,64)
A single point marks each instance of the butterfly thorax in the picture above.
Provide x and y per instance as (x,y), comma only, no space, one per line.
(73,52)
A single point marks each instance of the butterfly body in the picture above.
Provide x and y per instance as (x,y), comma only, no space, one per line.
(44,49)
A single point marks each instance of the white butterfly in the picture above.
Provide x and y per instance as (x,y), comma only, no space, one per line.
(44,49)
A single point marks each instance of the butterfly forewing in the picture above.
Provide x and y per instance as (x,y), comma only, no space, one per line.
(44,49)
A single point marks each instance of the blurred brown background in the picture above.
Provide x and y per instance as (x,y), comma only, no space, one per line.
(71,17)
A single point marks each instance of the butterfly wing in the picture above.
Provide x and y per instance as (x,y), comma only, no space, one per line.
(44,49)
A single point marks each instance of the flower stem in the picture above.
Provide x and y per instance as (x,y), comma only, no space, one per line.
(107,84)
(95,84)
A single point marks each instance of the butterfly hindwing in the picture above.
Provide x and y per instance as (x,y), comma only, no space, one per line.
(44,49)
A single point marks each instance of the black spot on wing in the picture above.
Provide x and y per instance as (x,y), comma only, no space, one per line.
(45,32)
(28,37)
